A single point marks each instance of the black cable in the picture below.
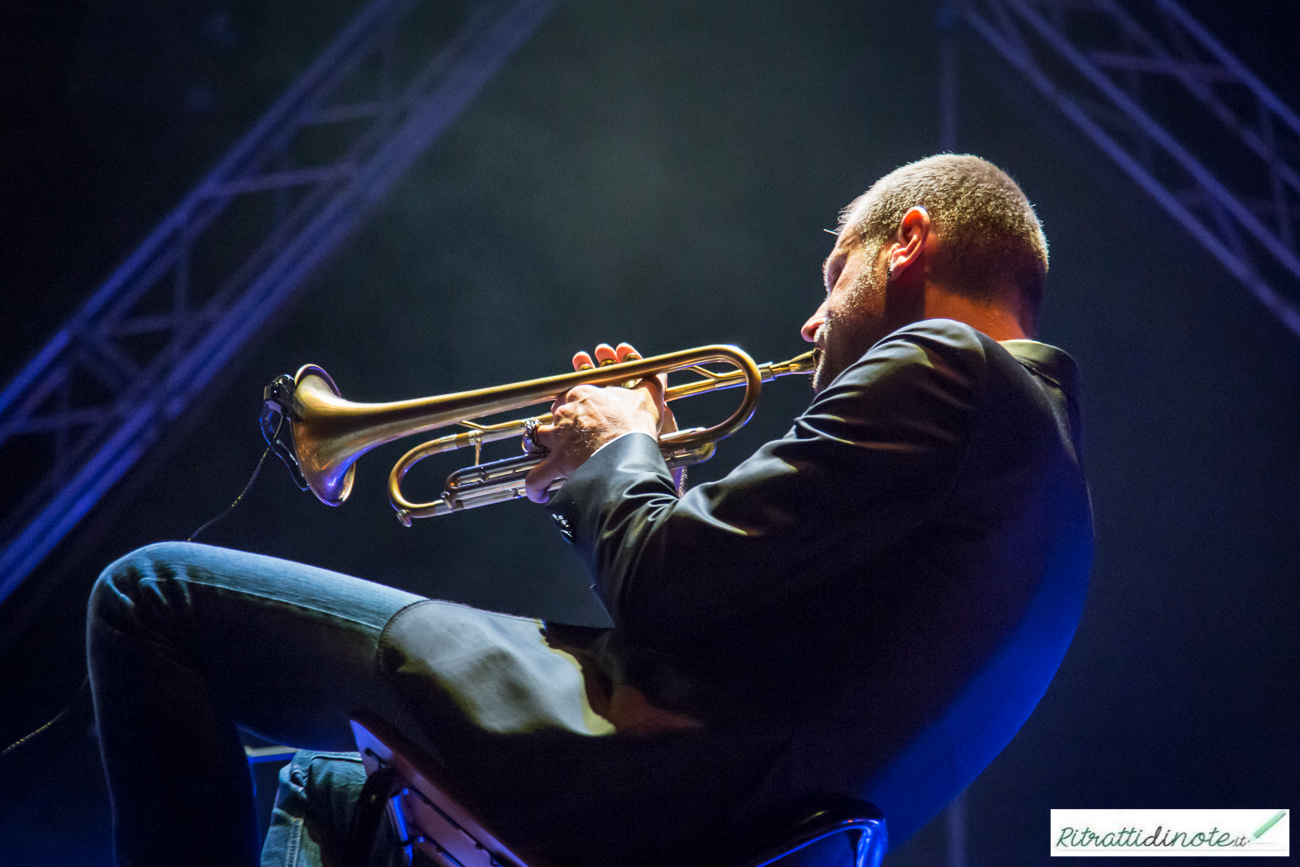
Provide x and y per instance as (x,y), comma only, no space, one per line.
(86,680)
(81,690)
(231,507)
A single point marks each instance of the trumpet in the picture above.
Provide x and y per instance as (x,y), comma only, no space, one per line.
(319,436)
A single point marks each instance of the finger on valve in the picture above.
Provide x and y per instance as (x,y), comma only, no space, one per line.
(627,352)
(605,355)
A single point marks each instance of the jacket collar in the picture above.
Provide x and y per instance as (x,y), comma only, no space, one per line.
(1048,362)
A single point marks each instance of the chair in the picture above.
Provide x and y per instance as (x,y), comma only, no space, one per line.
(429,821)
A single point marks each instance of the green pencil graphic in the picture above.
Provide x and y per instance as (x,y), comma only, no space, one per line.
(1269,824)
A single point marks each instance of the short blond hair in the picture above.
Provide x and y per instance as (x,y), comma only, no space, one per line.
(993,246)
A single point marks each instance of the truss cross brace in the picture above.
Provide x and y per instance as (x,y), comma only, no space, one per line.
(1186,120)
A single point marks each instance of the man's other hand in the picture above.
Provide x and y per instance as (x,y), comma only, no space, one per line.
(587,417)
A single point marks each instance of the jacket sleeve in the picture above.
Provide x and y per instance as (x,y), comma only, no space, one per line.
(862,467)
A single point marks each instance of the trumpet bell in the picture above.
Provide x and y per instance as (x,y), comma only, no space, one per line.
(326,453)
(299,420)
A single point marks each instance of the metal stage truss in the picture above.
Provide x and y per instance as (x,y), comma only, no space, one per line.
(1173,108)
(138,353)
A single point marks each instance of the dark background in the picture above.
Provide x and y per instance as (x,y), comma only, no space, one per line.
(661,172)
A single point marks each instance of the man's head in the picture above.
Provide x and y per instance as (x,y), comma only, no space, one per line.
(950,235)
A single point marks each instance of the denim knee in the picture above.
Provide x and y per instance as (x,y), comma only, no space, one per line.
(117,600)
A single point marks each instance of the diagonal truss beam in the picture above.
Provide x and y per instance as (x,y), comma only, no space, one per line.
(1178,113)
(148,341)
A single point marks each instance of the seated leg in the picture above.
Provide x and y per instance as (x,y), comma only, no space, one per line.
(186,644)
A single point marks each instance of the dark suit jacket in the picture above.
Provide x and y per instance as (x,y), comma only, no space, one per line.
(870,606)
(886,591)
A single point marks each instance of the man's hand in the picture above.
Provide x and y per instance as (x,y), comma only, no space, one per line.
(587,417)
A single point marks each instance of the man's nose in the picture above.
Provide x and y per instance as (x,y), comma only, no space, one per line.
(815,322)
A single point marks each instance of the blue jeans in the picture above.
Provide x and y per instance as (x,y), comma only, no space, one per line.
(186,644)
(189,643)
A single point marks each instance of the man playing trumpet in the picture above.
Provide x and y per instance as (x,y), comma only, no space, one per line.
(869,606)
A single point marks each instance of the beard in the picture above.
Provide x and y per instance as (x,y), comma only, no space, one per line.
(849,331)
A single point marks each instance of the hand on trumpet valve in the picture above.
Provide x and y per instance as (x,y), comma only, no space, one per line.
(587,417)
(606,355)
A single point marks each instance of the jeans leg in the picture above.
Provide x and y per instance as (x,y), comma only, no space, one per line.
(187,643)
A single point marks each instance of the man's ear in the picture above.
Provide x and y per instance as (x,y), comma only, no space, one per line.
(910,241)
